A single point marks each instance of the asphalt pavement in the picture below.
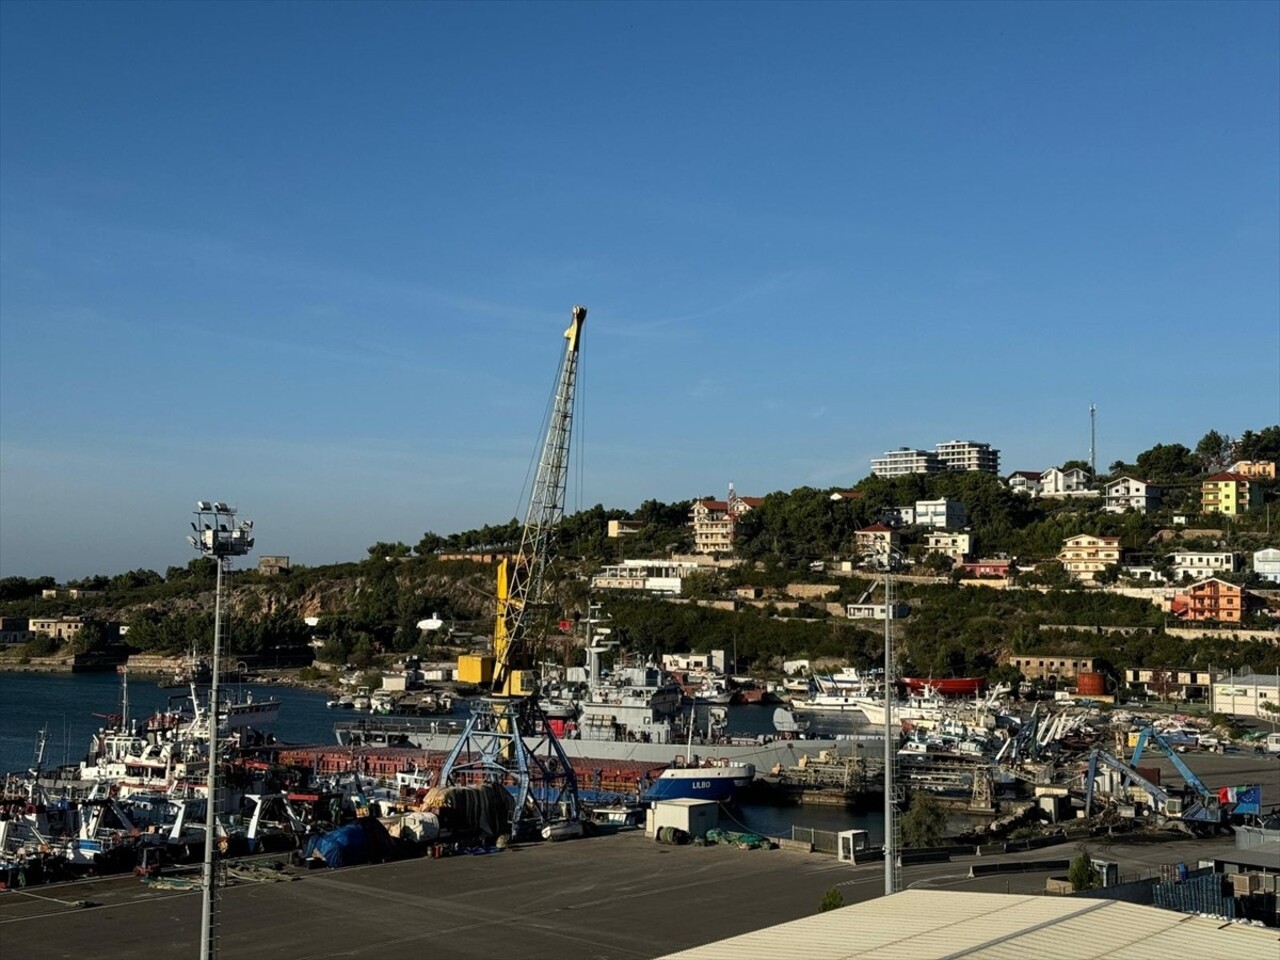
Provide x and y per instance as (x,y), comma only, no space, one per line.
(620,897)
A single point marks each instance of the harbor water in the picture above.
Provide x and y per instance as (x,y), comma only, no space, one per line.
(70,708)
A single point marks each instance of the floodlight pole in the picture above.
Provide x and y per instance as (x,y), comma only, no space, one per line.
(218,536)
(890,739)
(208,948)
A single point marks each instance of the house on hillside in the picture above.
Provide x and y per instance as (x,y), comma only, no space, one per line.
(715,521)
(1254,469)
(1056,482)
(1214,599)
(1084,556)
(1266,564)
(876,543)
(1230,494)
(949,543)
(987,568)
(1025,481)
(1197,564)
(1127,493)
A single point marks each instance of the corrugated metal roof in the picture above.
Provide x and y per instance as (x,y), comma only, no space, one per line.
(918,924)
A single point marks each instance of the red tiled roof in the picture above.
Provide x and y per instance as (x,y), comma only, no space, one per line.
(714,504)
(752,501)
(876,528)
(1027,474)
(1228,475)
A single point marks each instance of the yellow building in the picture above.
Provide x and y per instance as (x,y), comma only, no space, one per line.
(1084,556)
(1229,494)
(715,521)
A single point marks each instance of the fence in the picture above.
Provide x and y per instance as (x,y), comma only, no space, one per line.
(823,841)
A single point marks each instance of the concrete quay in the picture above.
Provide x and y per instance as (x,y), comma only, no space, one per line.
(617,897)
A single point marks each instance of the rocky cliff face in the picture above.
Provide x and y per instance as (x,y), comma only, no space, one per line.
(467,597)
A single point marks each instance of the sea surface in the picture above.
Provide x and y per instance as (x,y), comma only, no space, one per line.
(70,708)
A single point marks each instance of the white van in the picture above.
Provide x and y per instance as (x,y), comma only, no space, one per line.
(1273,743)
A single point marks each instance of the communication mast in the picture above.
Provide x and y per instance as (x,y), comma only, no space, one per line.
(507,740)
(1093,442)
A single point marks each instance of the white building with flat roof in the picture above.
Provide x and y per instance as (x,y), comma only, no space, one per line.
(969,456)
(904,461)
(1198,565)
(961,455)
(1247,695)
(941,514)
(649,576)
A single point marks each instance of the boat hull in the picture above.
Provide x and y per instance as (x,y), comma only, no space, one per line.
(720,784)
(782,750)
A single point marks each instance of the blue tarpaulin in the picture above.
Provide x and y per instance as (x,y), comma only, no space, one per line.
(363,841)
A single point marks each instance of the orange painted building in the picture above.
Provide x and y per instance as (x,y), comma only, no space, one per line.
(1212,599)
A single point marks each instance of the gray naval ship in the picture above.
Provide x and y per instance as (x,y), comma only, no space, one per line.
(631,714)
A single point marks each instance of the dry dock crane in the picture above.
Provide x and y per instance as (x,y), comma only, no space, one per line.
(507,740)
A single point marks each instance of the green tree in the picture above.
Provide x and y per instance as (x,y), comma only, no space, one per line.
(1214,451)
(1108,574)
(431,543)
(1083,875)
(1263,445)
(925,822)
(833,899)
(388,551)
(22,588)
(1168,463)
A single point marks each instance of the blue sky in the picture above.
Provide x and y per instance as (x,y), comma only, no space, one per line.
(315,259)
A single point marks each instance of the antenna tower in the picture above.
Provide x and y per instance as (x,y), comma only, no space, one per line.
(1093,441)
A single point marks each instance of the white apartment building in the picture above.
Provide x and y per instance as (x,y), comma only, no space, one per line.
(952,455)
(949,543)
(1200,566)
(1126,493)
(904,461)
(649,576)
(941,514)
(967,455)
(1266,564)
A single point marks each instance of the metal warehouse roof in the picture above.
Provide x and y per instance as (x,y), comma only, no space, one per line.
(918,924)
